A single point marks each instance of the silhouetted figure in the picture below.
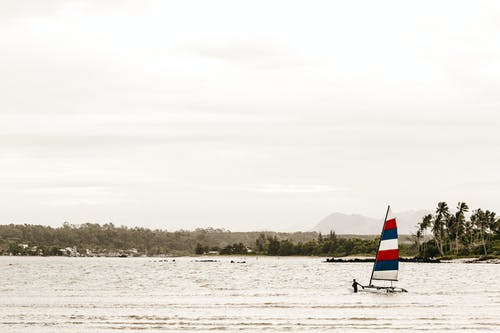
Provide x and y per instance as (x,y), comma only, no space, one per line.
(355,285)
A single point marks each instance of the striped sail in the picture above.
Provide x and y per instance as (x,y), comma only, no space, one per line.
(387,260)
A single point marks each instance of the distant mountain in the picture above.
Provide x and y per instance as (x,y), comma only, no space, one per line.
(348,224)
(362,225)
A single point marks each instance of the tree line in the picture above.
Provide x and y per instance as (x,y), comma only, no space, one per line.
(328,245)
(459,234)
(108,239)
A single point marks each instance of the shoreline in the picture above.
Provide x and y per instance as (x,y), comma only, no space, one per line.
(350,259)
(471,260)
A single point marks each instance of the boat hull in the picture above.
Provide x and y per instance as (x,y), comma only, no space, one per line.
(383,289)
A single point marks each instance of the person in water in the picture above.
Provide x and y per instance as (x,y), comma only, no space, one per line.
(355,285)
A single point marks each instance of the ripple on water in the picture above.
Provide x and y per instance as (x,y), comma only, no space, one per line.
(288,294)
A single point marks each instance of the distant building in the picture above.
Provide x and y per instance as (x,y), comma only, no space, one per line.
(70,252)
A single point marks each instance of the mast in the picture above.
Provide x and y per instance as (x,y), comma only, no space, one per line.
(379,241)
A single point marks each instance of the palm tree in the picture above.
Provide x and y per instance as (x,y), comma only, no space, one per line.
(459,222)
(422,226)
(485,222)
(426,222)
(418,236)
(442,213)
(450,227)
(491,226)
(478,219)
(468,235)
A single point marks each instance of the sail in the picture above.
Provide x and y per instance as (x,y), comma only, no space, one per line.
(387,259)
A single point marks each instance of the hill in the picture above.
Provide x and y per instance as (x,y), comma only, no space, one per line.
(356,224)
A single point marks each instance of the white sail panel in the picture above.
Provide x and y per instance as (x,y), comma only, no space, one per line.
(388,244)
(385,275)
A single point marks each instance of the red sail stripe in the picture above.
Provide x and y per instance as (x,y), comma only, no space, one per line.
(388,255)
(390,224)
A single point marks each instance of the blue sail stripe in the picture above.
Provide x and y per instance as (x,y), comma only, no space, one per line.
(387,265)
(390,234)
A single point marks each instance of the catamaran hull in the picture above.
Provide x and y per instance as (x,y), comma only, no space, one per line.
(383,289)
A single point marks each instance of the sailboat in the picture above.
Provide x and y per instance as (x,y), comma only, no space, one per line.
(386,266)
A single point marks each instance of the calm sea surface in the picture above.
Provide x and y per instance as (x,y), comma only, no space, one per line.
(264,294)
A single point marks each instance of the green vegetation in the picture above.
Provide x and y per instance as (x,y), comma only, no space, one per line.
(108,240)
(330,245)
(454,234)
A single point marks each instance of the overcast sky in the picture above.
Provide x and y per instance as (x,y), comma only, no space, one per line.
(245,115)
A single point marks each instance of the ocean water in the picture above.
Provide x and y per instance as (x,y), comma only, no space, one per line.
(264,294)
